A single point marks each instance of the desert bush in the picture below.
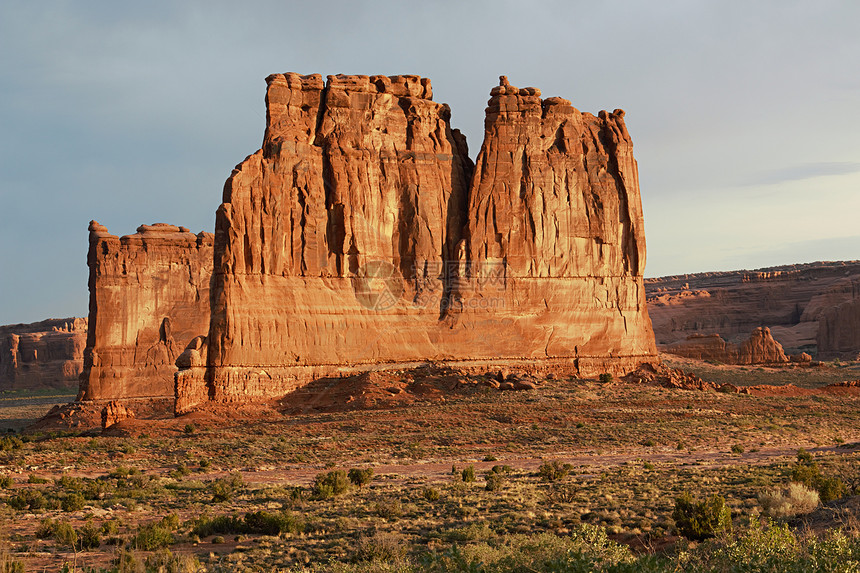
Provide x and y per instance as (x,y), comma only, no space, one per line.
(33,478)
(6,481)
(389,509)
(737,449)
(28,499)
(152,536)
(495,481)
(431,494)
(8,443)
(46,528)
(795,499)
(699,520)
(73,502)
(554,471)
(223,489)
(497,476)
(808,472)
(89,536)
(360,477)
(330,484)
(166,561)
(65,534)
(605,378)
(379,547)
(189,428)
(468,474)
(561,493)
(258,522)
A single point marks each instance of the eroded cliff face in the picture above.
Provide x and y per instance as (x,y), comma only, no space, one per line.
(807,307)
(149,296)
(839,323)
(49,353)
(357,236)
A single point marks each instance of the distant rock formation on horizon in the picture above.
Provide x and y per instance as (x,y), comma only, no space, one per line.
(812,308)
(44,354)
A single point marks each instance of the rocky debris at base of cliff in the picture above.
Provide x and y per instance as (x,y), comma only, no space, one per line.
(384,389)
(114,413)
(667,377)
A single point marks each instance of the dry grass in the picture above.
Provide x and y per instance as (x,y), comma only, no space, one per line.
(632,450)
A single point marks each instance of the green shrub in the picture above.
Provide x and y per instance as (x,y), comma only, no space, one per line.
(737,449)
(36,479)
(73,502)
(65,535)
(330,484)
(468,474)
(605,378)
(46,528)
(495,481)
(265,523)
(6,481)
(360,477)
(431,494)
(189,428)
(151,537)
(218,540)
(223,489)
(554,471)
(700,520)
(808,473)
(258,522)
(28,499)
(89,536)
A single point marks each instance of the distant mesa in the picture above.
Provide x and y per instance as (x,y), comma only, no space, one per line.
(46,354)
(810,308)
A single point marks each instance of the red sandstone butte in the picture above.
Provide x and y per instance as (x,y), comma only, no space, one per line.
(149,296)
(361,236)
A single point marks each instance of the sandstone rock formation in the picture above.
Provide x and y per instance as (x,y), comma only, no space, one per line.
(357,236)
(49,353)
(149,296)
(799,303)
(759,348)
(115,412)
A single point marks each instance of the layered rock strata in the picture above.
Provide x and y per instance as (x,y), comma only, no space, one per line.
(358,237)
(49,353)
(807,307)
(149,296)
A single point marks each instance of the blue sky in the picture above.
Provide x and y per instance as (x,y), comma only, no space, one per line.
(745,116)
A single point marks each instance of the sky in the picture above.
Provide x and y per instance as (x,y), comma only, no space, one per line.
(745,116)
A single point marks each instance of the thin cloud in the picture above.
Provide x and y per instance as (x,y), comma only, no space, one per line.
(805,171)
